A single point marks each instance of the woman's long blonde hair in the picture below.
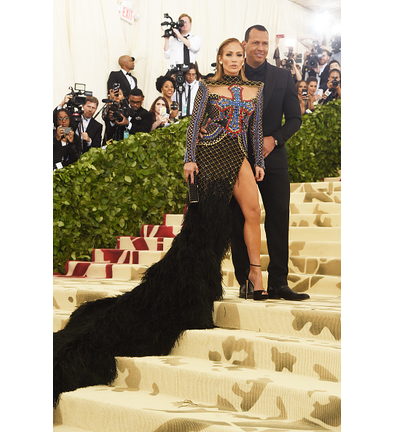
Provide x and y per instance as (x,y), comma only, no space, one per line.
(220,69)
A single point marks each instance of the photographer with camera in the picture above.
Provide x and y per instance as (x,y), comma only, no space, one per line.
(89,130)
(187,82)
(166,85)
(184,46)
(316,61)
(125,79)
(334,90)
(117,116)
(301,87)
(141,119)
(289,62)
(333,64)
(64,140)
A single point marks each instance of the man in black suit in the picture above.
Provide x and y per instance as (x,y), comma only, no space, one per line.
(280,97)
(89,130)
(123,77)
(141,118)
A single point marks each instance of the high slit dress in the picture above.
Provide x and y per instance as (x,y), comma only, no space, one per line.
(220,153)
(178,292)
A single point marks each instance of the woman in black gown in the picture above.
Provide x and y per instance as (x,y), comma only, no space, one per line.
(178,292)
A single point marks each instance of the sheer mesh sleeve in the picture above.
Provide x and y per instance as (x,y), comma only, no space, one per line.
(199,110)
(256,131)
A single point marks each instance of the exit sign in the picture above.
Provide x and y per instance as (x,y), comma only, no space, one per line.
(127,14)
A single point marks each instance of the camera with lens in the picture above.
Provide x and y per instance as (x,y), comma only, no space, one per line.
(335,83)
(113,110)
(290,55)
(178,71)
(78,99)
(313,59)
(172,25)
(336,44)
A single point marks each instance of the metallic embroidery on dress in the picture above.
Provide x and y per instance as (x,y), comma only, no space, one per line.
(236,105)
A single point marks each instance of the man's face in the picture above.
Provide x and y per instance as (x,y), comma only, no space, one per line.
(256,47)
(190,76)
(135,102)
(325,58)
(129,64)
(186,28)
(89,109)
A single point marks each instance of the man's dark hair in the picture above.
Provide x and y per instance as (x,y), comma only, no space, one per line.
(335,70)
(256,27)
(92,99)
(136,92)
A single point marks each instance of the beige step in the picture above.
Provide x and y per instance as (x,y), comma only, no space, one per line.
(316,197)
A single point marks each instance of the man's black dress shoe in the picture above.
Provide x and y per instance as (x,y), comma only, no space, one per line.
(286,293)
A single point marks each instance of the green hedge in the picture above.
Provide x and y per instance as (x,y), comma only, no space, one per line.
(314,151)
(113,192)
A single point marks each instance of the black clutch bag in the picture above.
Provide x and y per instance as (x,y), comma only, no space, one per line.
(193,189)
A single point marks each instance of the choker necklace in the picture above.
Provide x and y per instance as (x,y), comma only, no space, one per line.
(232,80)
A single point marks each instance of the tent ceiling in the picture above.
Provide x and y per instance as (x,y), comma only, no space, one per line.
(332,6)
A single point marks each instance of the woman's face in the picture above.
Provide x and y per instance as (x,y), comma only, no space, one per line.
(232,58)
(63,119)
(302,86)
(168,89)
(159,104)
(312,87)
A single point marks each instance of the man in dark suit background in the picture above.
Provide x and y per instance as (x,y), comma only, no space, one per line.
(141,118)
(280,97)
(89,130)
(123,77)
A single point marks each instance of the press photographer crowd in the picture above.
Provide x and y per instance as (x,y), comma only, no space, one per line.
(316,74)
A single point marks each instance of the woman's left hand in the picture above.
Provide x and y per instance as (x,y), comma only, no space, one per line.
(259,173)
(70,136)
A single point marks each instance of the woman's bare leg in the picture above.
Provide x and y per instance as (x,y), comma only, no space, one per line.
(246,194)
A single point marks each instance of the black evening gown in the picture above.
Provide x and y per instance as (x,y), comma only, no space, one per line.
(178,292)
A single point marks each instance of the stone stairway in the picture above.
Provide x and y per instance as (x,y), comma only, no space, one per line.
(271,366)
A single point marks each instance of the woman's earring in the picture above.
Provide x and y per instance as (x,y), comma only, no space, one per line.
(220,62)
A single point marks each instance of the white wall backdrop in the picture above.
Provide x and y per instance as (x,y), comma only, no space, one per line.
(89,36)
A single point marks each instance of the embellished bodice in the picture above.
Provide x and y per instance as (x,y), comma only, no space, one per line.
(230,116)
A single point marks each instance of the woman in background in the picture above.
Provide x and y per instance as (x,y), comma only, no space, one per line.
(65,141)
(160,113)
(166,85)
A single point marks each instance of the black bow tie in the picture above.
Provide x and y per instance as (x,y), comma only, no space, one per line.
(128,73)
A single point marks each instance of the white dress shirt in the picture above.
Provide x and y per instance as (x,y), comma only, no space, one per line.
(194,88)
(175,53)
(130,79)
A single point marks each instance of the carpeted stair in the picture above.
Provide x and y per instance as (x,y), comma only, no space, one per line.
(271,366)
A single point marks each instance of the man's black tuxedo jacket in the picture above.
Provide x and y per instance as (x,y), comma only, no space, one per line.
(94,130)
(119,77)
(280,97)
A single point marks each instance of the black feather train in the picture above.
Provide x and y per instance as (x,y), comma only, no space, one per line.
(177,293)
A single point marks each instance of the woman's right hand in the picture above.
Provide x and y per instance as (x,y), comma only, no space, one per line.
(59,133)
(189,168)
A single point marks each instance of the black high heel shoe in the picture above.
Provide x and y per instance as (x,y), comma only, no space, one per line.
(258,295)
